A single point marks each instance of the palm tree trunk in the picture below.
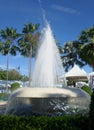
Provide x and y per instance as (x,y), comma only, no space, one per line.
(7,67)
(30,67)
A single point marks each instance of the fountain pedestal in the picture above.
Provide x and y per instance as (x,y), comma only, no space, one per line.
(26,101)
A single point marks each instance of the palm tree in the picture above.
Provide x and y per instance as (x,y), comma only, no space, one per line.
(9,46)
(86,39)
(69,55)
(28,43)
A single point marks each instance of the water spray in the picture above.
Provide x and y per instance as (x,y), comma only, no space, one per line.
(43,13)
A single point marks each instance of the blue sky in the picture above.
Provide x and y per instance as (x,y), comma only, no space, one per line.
(66,17)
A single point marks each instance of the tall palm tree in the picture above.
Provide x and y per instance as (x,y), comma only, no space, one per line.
(9,45)
(86,39)
(28,43)
(69,55)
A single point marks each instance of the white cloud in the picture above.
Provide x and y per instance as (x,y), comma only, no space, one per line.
(65,9)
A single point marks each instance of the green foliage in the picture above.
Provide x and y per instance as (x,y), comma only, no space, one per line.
(4,96)
(70,55)
(86,39)
(9,122)
(8,38)
(29,40)
(91,112)
(2,74)
(87,89)
(14,86)
(12,75)
(24,78)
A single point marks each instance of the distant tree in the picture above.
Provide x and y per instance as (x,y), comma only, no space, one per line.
(86,39)
(8,44)
(69,55)
(14,75)
(28,42)
(2,74)
(24,78)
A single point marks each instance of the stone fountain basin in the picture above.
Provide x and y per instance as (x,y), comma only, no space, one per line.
(47,100)
(49,92)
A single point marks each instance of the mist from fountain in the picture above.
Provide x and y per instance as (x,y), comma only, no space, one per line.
(48,66)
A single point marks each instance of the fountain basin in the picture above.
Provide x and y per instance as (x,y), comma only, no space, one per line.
(25,101)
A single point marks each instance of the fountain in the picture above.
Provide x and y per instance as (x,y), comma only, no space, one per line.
(44,97)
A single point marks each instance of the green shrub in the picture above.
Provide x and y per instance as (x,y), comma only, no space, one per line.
(87,89)
(4,96)
(9,122)
(14,86)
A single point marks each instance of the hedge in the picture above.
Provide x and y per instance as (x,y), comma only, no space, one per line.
(87,89)
(9,122)
(91,112)
(14,86)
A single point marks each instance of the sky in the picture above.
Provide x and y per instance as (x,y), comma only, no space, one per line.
(67,19)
